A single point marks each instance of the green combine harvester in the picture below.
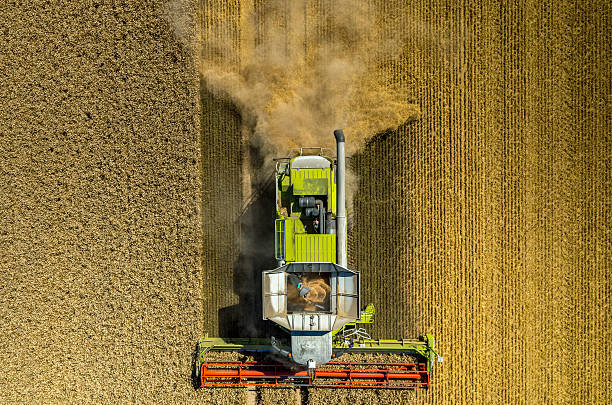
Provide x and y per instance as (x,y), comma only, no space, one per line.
(314,297)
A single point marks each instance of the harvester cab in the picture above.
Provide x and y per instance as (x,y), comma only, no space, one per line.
(314,297)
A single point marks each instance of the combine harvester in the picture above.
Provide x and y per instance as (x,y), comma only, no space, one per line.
(314,297)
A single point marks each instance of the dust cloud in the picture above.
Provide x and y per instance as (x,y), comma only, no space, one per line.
(295,82)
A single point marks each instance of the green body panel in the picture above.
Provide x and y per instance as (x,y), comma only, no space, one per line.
(367,316)
(331,197)
(285,184)
(424,347)
(359,345)
(311,181)
(293,243)
(284,231)
(315,248)
(317,182)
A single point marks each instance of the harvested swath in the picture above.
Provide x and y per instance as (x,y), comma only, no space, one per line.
(227,356)
(360,396)
(269,396)
(222,396)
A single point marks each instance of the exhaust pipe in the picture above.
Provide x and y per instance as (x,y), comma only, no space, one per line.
(340,199)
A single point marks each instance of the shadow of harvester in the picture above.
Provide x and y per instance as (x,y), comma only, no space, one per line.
(256,254)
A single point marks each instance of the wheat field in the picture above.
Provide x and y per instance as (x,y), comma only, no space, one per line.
(137,214)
